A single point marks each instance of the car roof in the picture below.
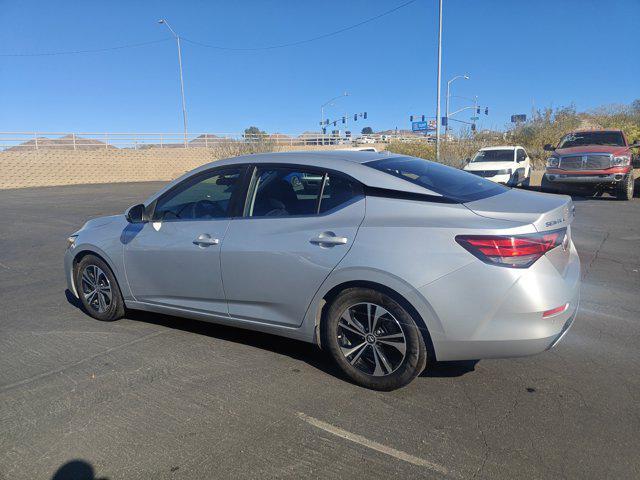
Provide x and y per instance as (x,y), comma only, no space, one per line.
(590,130)
(348,162)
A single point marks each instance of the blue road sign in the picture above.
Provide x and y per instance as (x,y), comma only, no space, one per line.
(419,126)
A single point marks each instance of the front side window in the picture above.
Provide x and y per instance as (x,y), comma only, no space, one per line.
(451,183)
(522,156)
(203,197)
(493,156)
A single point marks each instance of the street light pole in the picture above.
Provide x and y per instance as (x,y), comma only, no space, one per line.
(439,75)
(345,94)
(184,105)
(466,77)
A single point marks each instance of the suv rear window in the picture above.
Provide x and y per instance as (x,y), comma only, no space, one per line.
(493,156)
(449,182)
(614,139)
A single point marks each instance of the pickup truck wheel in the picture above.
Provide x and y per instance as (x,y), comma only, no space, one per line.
(624,189)
(547,186)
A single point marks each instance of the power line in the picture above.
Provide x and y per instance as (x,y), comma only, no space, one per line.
(217,47)
(308,40)
(74,52)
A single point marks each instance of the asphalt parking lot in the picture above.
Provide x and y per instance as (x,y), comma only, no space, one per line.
(152,396)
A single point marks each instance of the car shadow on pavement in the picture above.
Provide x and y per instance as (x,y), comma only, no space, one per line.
(298,350)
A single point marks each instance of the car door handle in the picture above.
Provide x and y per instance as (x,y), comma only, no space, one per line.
(204,240)
(328,239)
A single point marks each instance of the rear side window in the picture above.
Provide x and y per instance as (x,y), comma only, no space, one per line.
(451,183)
(338,191)
(283,192)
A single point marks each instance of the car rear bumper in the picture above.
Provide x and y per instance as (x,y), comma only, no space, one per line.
(502,314)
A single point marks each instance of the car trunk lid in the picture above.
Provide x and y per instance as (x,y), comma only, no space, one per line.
(543,210)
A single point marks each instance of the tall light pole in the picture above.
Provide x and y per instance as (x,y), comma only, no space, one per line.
(345,94)
(184,105)
(466,77)
(439,75)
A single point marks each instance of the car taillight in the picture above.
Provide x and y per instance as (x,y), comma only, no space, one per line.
(515,251)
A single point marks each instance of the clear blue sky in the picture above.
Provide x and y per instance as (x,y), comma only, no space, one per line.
(517,52)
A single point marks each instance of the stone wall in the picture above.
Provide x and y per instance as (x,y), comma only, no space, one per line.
(37,168)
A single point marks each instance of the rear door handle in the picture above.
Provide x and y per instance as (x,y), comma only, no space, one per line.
(328,239)
(205,240)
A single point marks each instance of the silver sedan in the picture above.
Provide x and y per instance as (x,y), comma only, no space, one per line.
(388,263)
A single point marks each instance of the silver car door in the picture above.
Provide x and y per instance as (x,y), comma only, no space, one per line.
(276,257)
(174,260)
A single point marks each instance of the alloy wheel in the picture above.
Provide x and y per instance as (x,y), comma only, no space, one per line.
(96,288)
(371,339)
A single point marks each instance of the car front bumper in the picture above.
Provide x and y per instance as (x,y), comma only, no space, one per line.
(585,178)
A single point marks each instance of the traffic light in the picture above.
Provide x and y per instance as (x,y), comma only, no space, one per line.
(423,118)
(473,127)
(486,110)
(411,118)
(334,123)
(355,117)
(478,110)
(344,119)
(324,130)
(365,115)
(326,122)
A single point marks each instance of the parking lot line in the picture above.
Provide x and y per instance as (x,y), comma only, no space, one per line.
(359,439)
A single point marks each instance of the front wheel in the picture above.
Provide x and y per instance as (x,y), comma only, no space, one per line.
(547,186)
(625,188)
(373,339)
(98,290)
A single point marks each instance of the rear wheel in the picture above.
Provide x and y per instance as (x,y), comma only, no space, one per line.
(624,189)
(373,339)
(98,290)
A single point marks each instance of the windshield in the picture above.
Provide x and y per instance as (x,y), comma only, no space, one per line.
(614,139)
(449,182)
(493,156)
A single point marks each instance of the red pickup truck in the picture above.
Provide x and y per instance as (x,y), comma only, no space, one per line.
(591,160)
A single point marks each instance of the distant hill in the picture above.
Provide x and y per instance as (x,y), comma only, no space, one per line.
(62,143)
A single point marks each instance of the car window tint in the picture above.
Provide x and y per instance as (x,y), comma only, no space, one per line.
(449,182)
(521,155)
(282,192)
(338,191)
(201,198)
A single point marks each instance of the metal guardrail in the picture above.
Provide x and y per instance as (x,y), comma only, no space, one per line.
(17,141)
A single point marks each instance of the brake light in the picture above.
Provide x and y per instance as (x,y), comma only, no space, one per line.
(555,311)
(515,251)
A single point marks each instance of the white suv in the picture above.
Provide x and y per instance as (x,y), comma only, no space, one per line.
(509,165)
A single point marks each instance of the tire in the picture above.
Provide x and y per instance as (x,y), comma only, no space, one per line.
(106,304)
(624,189)
(377,364)
(547,186)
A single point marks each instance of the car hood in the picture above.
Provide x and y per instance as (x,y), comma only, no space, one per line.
(103,221)
(544,210)
(591,149)
(475,166)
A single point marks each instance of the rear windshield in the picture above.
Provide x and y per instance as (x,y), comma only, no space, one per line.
(493,156)
(449,182)
(613,139)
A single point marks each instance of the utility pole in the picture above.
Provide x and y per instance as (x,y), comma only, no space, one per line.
(184,105)
(439,75)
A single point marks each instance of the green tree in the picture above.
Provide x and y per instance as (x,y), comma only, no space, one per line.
(254,133)
(367,131)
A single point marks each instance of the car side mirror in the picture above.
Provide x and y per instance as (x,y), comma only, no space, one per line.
(467,161)
(136,214)
(635,144)
(548,147)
